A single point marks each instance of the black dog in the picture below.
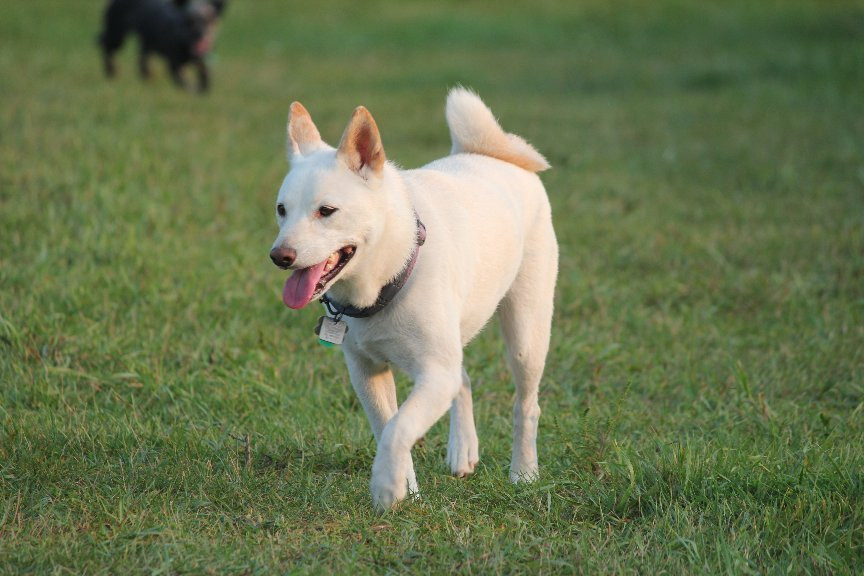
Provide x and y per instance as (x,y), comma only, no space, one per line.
(181,31)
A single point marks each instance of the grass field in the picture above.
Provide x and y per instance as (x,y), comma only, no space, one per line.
(161,412)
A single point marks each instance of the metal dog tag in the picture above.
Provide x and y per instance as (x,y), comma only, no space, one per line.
(330,331)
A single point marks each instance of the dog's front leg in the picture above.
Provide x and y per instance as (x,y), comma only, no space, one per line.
(374,385)
(433,393)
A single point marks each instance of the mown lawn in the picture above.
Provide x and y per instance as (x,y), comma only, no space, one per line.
(162,412)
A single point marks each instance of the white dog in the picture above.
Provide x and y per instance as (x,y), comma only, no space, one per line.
(351,226)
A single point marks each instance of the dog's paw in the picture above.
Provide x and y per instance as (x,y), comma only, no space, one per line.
(524,472)
(463,453)
(392,478)
(387,491)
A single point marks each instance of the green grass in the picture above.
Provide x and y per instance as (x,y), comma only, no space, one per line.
(162,412)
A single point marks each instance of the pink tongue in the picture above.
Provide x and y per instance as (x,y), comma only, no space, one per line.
(300,286)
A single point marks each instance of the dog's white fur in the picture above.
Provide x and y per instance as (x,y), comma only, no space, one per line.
(490,246)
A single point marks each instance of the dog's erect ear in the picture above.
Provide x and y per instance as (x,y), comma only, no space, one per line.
(361,147)
(303,136)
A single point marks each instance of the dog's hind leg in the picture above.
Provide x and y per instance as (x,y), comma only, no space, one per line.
(463,451)
(113,34)
(108,63)
(526,316)
(376,389)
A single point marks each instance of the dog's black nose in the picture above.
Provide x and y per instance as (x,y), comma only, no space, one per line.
(283,257)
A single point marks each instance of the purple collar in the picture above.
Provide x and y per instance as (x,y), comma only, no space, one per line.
(388,292)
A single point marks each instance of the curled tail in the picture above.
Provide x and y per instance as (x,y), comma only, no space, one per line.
(474,129)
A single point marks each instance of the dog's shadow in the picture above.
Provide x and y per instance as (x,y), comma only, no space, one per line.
(317,459)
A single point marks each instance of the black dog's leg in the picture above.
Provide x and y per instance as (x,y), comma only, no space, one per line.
(108,63)
(203,75)
(113,34)
(177,74)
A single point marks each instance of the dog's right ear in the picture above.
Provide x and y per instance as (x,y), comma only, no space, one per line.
(303,136)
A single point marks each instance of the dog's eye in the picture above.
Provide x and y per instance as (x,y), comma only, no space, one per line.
(280,210)
(325,211)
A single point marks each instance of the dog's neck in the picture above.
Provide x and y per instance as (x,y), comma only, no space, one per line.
(381,260)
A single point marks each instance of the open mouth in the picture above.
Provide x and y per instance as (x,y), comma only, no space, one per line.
(332,266)
(307,284)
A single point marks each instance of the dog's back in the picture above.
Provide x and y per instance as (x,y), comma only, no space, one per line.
(163,26)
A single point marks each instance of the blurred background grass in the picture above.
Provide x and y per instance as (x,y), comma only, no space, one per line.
(703,398)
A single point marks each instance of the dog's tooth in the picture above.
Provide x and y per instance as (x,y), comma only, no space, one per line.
(331,262)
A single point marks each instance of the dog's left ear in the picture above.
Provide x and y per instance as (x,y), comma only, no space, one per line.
(303,136)
(361,147)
